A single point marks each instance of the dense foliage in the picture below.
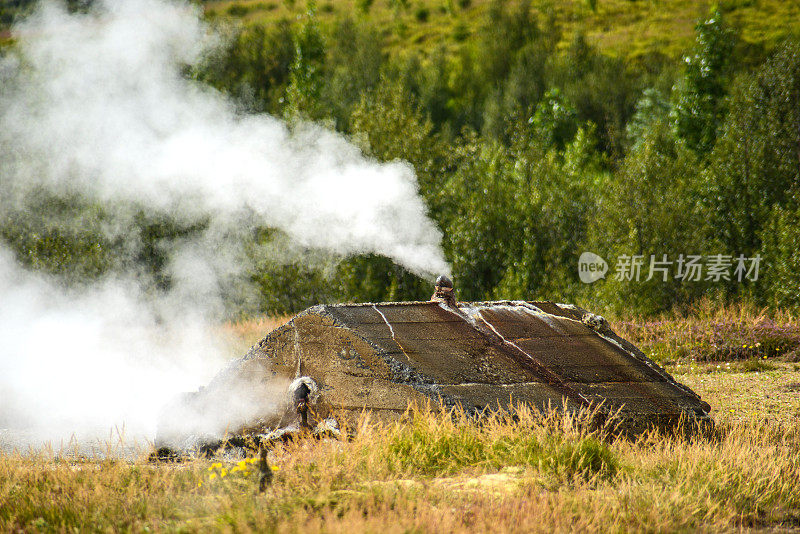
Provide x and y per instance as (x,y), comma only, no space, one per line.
(527,153)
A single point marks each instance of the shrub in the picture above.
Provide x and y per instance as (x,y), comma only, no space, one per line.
(238,10)
(364,5)
(460,31)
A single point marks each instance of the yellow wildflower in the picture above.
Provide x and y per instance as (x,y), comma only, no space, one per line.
(212,476)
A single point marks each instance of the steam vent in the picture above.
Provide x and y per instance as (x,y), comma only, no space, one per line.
(474,355)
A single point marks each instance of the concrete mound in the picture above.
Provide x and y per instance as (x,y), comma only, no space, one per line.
(342,359)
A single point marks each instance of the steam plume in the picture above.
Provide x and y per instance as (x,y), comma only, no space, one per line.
(96,104)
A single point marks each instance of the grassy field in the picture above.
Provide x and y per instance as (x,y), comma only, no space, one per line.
(434,473)
(630,28)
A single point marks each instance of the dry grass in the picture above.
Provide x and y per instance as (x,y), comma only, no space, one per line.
(255,328)
(245,333)
(773,396)
(711,334)
(433,472)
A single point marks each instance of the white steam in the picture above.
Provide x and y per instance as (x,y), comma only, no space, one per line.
(96,104)
(84,362)
(100,104)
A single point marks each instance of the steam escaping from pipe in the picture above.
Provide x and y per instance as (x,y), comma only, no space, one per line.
(97,105)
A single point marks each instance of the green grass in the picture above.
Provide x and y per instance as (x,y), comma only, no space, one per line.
(629,28)
(435,446)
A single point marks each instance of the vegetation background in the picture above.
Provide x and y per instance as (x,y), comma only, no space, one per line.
(537,129)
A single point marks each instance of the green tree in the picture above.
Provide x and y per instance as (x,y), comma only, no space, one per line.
(555,120)
(388,126)
(602,89)
(60,235)
(504,34)
(364,6)
(651,208)
(253,67)
(756,165)
(699,99)
(303,95)
(754,172)
(651,109)
(353,68)
(371,278)
(522,213)
(510,63)
(515,99)
(779,276)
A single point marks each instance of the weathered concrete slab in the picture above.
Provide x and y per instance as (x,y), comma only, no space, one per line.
(476,355)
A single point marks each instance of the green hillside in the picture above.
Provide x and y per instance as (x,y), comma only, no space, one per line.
(628,28)
(644,129)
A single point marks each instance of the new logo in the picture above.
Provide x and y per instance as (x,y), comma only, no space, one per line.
(591,267)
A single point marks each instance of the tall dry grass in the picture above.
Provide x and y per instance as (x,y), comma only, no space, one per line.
(433,472)
(710,333)
(244,333)
(255,328)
